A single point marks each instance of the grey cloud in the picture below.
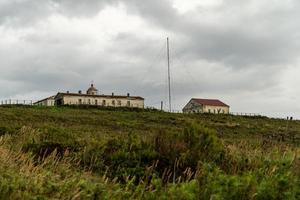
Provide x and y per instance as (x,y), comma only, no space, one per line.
(81,8)
(250,42)
(20,13)
(242,37)
(156,11)
(27,12)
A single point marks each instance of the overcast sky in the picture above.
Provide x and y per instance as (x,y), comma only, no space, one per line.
(245,53)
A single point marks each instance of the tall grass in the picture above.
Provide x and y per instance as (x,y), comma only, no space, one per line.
(190,160)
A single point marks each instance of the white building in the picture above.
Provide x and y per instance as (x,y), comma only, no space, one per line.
(45,102)
(206,106)
(93,98)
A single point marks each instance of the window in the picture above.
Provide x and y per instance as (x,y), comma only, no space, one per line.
(89,101)
(208,110)
(128,103)
(79,101)
(96,102)
(103,102)
(113,102)
(119,103)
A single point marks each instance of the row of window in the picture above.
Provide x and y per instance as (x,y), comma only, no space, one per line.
(104,102)
(216,111)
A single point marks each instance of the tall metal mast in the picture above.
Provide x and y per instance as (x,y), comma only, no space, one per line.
(169,76)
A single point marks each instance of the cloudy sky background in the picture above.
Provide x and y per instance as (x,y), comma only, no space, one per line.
(245,53)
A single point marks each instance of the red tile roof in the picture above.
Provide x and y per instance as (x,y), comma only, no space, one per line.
(210,102)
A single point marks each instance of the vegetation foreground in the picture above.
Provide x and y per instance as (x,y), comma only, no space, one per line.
(90,153)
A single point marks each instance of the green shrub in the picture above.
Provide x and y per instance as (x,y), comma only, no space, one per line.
(202,145)
(216,184)
(91,153)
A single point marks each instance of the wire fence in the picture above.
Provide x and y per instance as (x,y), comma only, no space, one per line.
(16,102)
(246,114)
(31,102)
(231,113)
(176,111)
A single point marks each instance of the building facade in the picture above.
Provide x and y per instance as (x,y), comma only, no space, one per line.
(92,98)
(206,106)
(50,101)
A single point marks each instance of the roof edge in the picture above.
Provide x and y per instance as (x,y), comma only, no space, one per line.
(224,104)
(53,96)
(108,96)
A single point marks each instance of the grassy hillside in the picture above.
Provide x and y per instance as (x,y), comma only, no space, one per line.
(89,153)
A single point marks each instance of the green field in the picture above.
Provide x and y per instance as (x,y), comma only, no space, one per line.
(93,153)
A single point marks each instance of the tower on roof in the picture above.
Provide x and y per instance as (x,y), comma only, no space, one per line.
(92,90)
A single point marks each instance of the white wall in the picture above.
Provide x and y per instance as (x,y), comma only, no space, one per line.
(89,100)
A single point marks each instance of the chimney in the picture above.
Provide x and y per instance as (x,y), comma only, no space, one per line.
(128,94)
(79,92)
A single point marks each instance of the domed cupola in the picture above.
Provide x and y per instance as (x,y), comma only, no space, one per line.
(92,90)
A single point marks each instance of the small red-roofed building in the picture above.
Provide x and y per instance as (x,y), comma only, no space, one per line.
(206,106)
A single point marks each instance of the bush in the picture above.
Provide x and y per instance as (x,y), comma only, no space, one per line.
(201,144)
(216,184)
(70,153)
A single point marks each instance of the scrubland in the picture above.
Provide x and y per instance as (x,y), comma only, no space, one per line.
(107,153)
